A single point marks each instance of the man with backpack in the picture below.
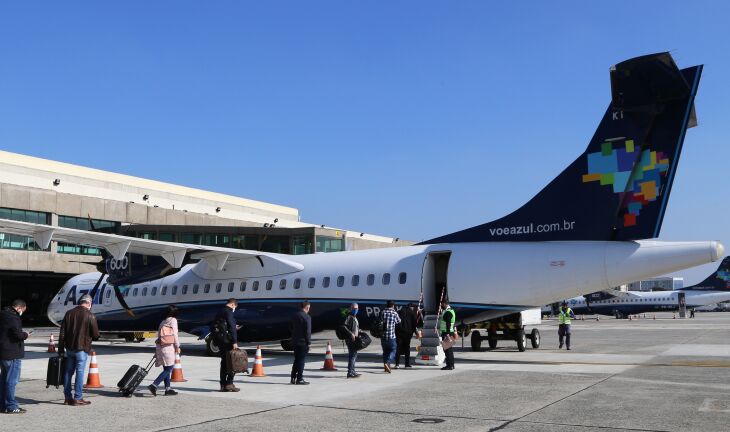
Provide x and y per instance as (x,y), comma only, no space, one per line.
(352,327)
(225,334)
(404,332)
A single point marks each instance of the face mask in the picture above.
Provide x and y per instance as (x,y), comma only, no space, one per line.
(20,313)
(354,312)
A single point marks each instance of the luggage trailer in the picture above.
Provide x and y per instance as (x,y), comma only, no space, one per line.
(509,327)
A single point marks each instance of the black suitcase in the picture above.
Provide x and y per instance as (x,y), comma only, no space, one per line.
(236,361)
(133,378)
(56,371)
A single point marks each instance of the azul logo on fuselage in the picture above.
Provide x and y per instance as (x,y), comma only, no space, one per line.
(74,294)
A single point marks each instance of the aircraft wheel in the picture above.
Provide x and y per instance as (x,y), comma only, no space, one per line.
(128,337)
(492,339)
(521,340)
(211,348)
(476,341)
(140,339)
(535,338)
(286,345)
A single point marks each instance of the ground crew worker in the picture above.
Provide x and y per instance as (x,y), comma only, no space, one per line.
(447,327)
(564,317)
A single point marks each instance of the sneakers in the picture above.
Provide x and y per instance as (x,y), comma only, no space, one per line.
(302,382)
(396,367)
(355,375)
(152,389)
(408,366)
(293,381)
(447,368)
(16,411)
(560,346)
(231,388)
(170,392)
(386,367)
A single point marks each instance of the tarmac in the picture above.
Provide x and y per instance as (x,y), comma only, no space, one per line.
(660,374)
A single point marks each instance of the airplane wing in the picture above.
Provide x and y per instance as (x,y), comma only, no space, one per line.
(118,246)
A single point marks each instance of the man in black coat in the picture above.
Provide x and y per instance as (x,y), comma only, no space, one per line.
(301,337)
(12,350)
(404,332)
(226,319)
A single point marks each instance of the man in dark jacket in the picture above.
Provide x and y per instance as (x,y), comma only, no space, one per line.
(404,332)
(12,349)
(352,325)
(226,318)
(78,329)
(301,337)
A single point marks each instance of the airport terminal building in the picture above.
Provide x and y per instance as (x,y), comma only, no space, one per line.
(60,194)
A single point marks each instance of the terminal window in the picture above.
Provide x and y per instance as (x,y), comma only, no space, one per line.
(302,245)
(330,244)
(104,226)
(12,241)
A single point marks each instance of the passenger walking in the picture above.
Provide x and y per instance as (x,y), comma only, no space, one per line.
(404,332)
(353,328)
(225,335)
(301,337)
(388,340)
(564,317)
(78,329)
(447,327)
(12,350)
(167,346)
(692,313)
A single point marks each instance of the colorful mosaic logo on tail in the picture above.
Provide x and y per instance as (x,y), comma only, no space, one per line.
(725,276)
(613,166)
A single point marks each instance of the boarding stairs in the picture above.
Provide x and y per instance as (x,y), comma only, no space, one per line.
(430,352)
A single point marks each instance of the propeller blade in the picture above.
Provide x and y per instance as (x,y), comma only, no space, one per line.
(93,291)
(122,302)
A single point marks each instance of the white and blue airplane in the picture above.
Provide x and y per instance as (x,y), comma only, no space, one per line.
(714,289)
(589,229)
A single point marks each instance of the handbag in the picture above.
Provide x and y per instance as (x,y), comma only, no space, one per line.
(167,335)
(447,342)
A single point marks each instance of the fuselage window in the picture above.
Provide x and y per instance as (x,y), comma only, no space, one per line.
(126,293)
(184,289)
(218,287)
(312,282)
(282,284)
(230,286)
(164,290)
(386,278)
(206,288)
(243,286)
(402,278)
(196,287)
(297,283)
(144,292)
(174,290)
(255,285)
(108,294)
(154,291)
(326,282)
(269,284)
(340,281)
(355,280)
(371,279)
(134,292)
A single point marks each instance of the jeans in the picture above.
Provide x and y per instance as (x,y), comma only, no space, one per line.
(564,330)
(404,347)
(9,377)
(389,349)
(75,363)
(164,376)
(351,359)
(225,377)
(297,369)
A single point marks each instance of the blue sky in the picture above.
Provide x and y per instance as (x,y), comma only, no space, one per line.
(409,118)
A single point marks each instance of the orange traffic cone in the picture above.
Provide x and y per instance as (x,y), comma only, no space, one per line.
(329,361)
(94,379)
(51,345)
(177,373)
(258,364)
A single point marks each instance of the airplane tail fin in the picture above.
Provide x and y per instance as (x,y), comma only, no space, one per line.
(718,281)
(619,187)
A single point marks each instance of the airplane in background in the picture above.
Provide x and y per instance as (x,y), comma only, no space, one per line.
(586,231)
(714,289)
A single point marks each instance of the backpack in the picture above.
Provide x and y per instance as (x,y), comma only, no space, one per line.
(378,327)
(342,332)
(219,332)
(166,335)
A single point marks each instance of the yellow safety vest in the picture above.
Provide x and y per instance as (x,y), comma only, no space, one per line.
(564,317)
(443,326)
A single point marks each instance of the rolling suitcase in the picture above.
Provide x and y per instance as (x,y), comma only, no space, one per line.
(236,361)
(55,372)
(133,378)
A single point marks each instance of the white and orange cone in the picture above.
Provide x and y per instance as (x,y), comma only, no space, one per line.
(177,372)
(258,364)
(51,345)
(94,379)
(329,361)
